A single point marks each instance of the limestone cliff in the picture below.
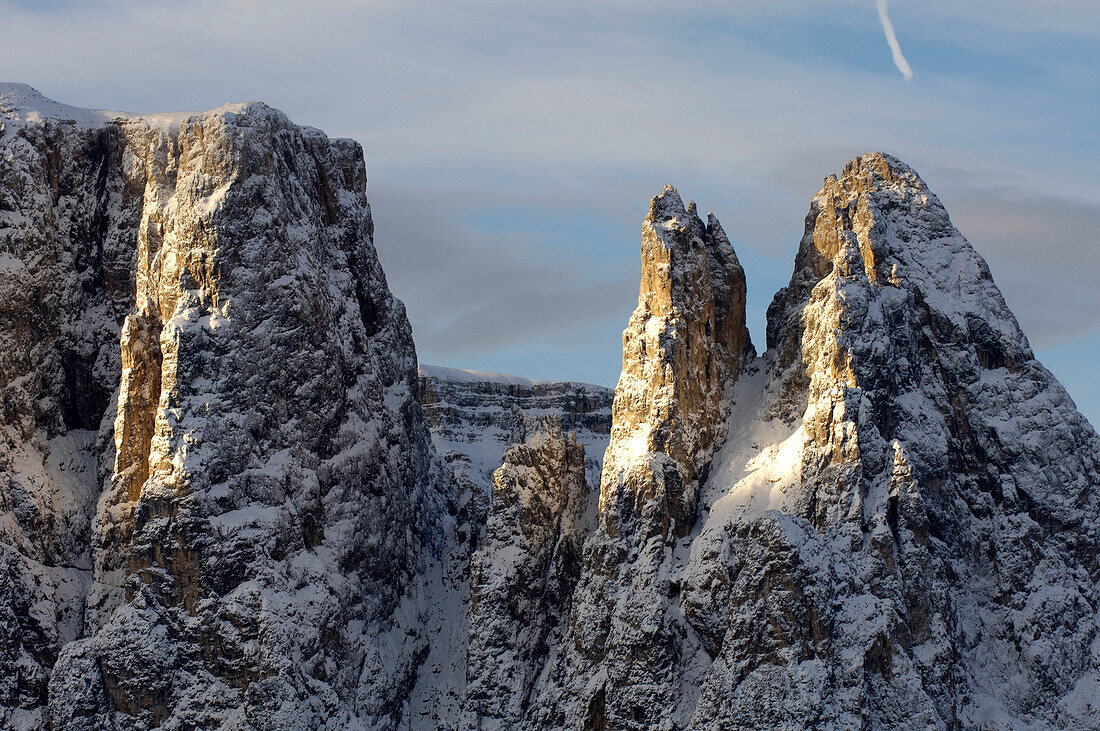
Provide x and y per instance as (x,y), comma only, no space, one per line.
(202,292)
(898,527)
(524,571)
(474,416)
(221,507)
(683,350)
(910,502)
(684,345)
(527,503)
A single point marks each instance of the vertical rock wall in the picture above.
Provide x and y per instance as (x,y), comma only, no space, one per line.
(269,496)
(683,349)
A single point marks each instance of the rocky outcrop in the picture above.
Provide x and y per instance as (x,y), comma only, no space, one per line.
(523,574)
(270,496)
(929,535)
(896,525)
(498,595)
(220,505)
(684,346)
(475,416)
(68,214)
(683,349)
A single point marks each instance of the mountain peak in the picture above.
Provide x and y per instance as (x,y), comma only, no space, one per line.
(874,169)
(22,104)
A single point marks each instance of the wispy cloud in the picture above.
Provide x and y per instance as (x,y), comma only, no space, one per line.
(892,40)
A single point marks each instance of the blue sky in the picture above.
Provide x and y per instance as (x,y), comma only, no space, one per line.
(512,148)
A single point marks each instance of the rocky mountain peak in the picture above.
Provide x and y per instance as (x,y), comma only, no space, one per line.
(684,346)
(220,506)
(215,395)
(884,538)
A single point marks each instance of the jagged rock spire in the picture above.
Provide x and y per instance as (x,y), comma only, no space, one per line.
(684,345)
(683,349)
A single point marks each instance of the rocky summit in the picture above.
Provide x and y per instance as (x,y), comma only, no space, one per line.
(229,499)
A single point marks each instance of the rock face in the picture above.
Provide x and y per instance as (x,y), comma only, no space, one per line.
(220,505)
(683,349)
(218,324)
(897,531)
(68,220)
(503,586)
(523,574)
(684,345)
(474,416)
(921,529)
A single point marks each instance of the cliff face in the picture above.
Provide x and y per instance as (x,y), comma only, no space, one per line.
(684,348)
(918,532)
(897,530)
(523,574)
(220,506)
(224,333)
(526,455)
(67,244)
(684,345)
(475,416)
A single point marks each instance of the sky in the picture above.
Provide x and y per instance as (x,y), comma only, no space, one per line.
(512,148)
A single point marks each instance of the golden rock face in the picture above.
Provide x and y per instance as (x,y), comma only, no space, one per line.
(683,348)
(202,309)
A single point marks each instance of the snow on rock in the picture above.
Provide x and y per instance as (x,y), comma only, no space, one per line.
(197,307)
(896,527)
(498,593)
(524,571)
(931,547)
(683,349)
(221,506)
(474,416)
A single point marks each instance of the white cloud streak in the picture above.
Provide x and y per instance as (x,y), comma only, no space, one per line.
(892,40)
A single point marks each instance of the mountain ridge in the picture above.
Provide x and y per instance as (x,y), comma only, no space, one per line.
(229,496)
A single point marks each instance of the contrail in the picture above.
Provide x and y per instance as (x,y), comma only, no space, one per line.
(892,40)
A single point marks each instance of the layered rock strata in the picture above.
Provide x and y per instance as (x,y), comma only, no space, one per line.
(474,416)
(498,596)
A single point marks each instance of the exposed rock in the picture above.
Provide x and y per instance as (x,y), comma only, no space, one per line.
(477,420)
(685,344)
(68,213)
(921,529)
(524,571)
(274,491)
(474,416)
(899,527)
(220,506)
(683,349)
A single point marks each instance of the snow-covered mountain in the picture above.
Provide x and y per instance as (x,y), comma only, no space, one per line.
(229,499)
(898,528)
(217,488)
